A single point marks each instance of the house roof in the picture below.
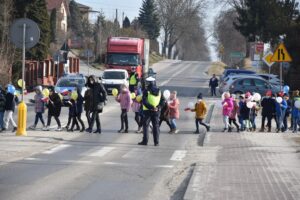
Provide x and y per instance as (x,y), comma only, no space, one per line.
(83,6)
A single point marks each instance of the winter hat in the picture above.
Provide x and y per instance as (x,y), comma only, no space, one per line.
(39,88)
(199,96)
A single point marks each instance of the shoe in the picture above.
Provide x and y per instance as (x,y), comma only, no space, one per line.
(171,131)
(66,127)
(142,143)
(33,127)
(126,131)
(3,129)
(277,130)
(225,129)
(139,130)
(89,130)
(229,129)
(70,130)
(197,132)
(176,131)
(261,130)
(58,129)
(14,129)
(77,129)
(238,130)
(120,131)
(207,128)
(46,128)
(98,131)
(82,130)
(269,130)
(156,144)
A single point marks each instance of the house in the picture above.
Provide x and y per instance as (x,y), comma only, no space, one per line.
(62,12)
(84,10)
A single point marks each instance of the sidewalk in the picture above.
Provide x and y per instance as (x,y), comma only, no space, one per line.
(246,166)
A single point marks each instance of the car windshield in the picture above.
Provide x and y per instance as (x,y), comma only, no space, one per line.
(123,59)
(67,82)
(113,75)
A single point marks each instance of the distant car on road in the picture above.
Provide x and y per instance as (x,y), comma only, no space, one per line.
(68,83)
(114,78)
(252,84)
(228,72)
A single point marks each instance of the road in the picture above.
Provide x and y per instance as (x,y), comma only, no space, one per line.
(112,165)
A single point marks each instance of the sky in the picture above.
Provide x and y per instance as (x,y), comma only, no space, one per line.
(131,10)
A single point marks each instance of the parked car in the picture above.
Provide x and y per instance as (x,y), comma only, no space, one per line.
(66,84)
(228,72)
(252,84)
(114,78)
(272,78)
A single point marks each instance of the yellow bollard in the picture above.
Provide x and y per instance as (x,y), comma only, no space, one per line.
(22,117)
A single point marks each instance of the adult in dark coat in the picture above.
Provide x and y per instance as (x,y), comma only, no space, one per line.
(268,105)
(79,107)
(54,108)
(97,101)
(213,84)
(164,113)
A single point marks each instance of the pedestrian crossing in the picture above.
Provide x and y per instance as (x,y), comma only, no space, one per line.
(122,156)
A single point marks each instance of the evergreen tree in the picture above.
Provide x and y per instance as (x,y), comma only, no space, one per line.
(53,25)
(126,23)
(36,10)
(75,19)
(148,18)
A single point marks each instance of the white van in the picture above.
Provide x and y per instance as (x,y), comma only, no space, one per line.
(114,78)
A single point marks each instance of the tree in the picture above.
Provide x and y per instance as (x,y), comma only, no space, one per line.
(36,10)
(149,20)
(53,25)
(126,22)
(75,19)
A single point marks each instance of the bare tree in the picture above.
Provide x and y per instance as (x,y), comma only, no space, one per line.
(175,18)
(6,48)
(228,38)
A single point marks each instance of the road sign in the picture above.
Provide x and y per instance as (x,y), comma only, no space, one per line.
(32,33)
(267,59)
(237,54)
(259,47)
(281,54)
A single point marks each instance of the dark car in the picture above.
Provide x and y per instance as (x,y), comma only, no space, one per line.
(252,84)
(228,72)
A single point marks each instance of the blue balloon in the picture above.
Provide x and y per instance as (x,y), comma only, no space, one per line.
(286,89)
(11,89)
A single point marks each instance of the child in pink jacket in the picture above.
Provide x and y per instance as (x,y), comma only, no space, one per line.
(173,111)
(227,109)
(125,103)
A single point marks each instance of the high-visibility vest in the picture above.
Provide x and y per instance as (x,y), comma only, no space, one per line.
(152,100)
(132,80)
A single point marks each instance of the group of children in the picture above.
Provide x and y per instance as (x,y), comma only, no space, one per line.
(273,106)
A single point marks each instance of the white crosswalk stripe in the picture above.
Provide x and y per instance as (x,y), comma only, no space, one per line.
(57,149)
(178,155)
(102,152)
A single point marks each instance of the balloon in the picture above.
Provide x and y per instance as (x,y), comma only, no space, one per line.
(139,98)
(223,96)
(46,92)
(297,104)
(250,104)
(279,99)
(11,89)
(256,97)
(132,95)
(115,92)
(167,94)
(21,83)
(191,105)
(286,89)
(74,95)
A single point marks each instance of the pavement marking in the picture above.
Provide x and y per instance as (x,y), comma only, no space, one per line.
(175,74)
(133,153)
(56,149)
(136,165)
(178,155)
(33,159)
(78,161)
(102,152)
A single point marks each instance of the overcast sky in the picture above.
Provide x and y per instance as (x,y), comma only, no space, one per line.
(131,10)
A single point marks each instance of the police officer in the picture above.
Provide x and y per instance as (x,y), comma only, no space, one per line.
(133,80)
(151,100)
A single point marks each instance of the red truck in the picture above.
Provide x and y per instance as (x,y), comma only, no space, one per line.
(128,53)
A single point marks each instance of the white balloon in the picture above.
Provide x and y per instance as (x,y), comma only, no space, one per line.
(191,105)
(279,99)
(250,104)
(223,96)
(167,94)
(297,104)
(256,97)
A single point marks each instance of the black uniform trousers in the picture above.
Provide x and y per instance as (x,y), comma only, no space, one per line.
(153,117)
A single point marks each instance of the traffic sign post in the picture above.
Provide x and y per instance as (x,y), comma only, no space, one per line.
(58,57)
(88,53)
(281,55)
(25,34)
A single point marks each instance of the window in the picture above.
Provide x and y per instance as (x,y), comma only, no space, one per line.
(123,59)
(114,75)
(259,83)
(70,82)
(246,82)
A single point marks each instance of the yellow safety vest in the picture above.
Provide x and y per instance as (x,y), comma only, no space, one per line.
(132,80)
(152,100)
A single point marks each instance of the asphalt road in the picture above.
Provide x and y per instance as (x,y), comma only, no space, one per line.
(112,165)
